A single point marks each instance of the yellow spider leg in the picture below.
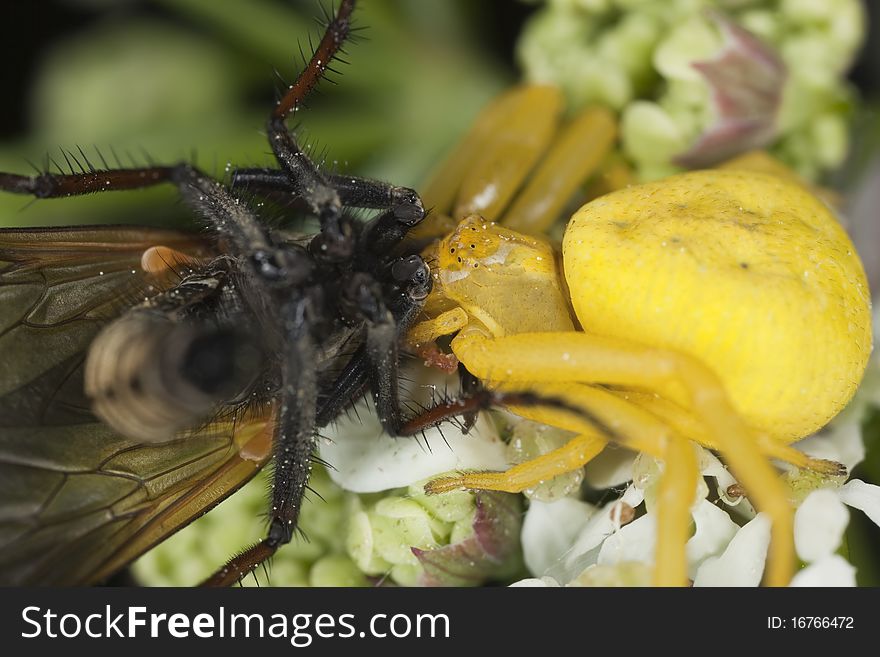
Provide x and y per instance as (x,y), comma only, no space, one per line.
(616,174)
(586,358)
(575,454)
(506,112)
(635,428)
(639,430)
(444,324)
(507,120)
(439,192)
(579,150)
(685,424)
(675,497)
(518,138)
(777,450)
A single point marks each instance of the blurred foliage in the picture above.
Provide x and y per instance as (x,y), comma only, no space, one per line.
(165,79)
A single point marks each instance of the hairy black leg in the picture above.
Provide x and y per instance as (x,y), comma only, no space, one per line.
(347,387)
(484,399)
(334,243)
(335,34)
(200,192)
(218,207)
(389,315)
(470,387)
(60,185)
(403,202)
(295,437)
(381,234)
(353,191)
(272,264)
(294,444)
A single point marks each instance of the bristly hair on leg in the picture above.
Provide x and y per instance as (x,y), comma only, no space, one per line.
(337,30)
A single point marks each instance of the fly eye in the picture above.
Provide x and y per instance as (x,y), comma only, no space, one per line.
(411,269)
(414,274)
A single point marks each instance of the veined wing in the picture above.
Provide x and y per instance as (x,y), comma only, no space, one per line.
(77,501)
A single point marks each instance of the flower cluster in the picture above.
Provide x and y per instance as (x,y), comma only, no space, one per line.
(697,81)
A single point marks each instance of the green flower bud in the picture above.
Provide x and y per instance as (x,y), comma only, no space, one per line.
(460,538)
(700,81)
(530,440)
(625,573)
(197,550)
(650,135)
(336,570)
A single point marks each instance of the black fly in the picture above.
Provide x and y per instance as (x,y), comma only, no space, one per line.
(202,357)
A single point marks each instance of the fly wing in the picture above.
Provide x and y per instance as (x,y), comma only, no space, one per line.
(77,501)
(58,288)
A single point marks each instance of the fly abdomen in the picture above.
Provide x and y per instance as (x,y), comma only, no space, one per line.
(150,377)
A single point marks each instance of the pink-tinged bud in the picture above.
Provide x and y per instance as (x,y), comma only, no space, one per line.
(492,551)
(746,80)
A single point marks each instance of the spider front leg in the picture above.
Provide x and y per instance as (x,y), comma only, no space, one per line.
(579,357)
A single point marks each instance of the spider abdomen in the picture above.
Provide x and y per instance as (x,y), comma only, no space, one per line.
(749,273)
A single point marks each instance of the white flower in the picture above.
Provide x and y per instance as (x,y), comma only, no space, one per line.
(833,570)
(742,563)
(364,459)
(566,539)
(536,582)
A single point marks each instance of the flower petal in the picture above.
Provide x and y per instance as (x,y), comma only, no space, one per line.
(819,524)
(625,573)
(610,469)
(366,460)
(534,582)
(742,563)
(490,551)
(711,466)
(841,442)
(864,497)
(549,530)
(746,79)
(633,542)
(832,570)
(601,525)
(714,531)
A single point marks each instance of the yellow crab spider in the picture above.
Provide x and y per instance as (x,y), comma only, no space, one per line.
(724,307)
